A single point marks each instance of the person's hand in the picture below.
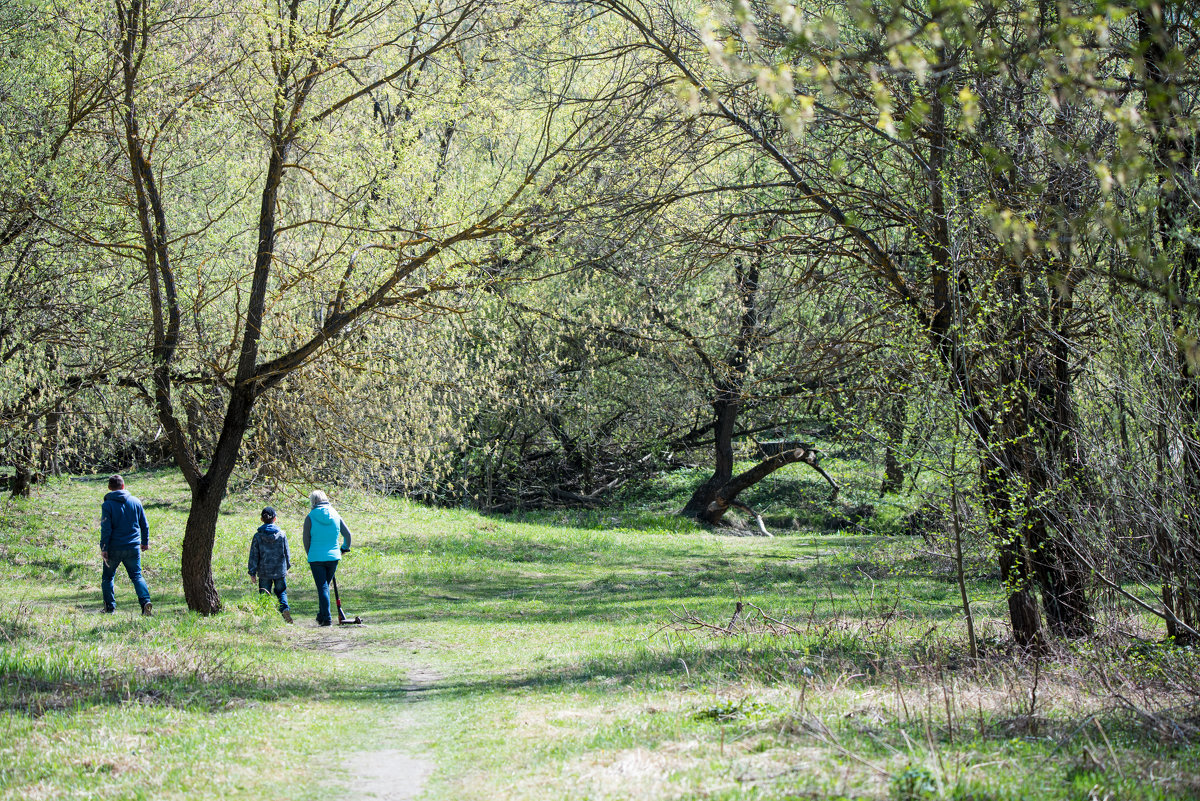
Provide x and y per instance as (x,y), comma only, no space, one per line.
(345,550)
(104,556)
(145,548)
(253,577)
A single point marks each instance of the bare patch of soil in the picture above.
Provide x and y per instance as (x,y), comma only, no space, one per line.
(390,775)
(393,774)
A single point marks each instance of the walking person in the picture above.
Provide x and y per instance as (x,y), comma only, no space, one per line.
(124,534)
(321,529)
(270,560)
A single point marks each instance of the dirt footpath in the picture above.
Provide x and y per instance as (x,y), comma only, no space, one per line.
(393,774)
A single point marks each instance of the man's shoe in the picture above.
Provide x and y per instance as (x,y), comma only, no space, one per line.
(287,616)
(147,609)
(324,622)
(108,611)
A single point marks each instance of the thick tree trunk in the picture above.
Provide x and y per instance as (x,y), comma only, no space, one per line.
(207,493)
(996,467)
(1046,458)
(1061,579)
(1013,557)
(199,589)
(22,486)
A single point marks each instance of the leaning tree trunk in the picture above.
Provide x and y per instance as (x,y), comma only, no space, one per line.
(719,493)
(726,496)
(200,533)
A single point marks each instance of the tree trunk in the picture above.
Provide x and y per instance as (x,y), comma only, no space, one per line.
(1013,558)
(207,493)
(50,460)
(22,486)
(997,479)
(1051,464)
(703,504)
(893,430)
(1175,149)
(714,497)
(199,589)
(1061,579)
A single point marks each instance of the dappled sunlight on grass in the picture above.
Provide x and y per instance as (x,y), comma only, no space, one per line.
(579,654)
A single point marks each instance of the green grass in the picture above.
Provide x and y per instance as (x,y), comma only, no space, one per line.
(571,663)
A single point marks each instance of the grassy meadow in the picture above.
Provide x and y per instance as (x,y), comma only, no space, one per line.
(563,655)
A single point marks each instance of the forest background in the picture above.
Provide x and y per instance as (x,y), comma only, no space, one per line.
(511,255)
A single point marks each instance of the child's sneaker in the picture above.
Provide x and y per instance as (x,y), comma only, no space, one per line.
(147,609)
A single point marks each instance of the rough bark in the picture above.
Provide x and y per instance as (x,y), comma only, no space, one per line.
(22,482)
(199,589)
(996,462)
(725,410)
(893,431)
(1015,570)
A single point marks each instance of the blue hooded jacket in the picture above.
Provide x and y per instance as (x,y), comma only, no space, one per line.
(321,529)
(269,554)
(123,522)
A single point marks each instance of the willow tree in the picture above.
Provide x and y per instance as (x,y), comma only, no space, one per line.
(968,154)
(892,124)
(294,173)
(685,318)
(53,307)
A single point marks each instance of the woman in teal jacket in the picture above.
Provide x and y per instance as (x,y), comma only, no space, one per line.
(321,530)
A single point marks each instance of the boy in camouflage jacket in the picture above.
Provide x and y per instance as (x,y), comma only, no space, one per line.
(270,560)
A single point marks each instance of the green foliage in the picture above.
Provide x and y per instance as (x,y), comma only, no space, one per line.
(516,255)
(914,783)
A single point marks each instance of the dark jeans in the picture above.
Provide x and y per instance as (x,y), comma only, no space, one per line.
(132,559)
(322,576)
(279,588)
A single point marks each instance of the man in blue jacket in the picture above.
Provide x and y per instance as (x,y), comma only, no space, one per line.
(123,530)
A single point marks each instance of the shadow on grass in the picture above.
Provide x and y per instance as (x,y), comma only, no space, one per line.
(34,685)
(646,599)
(62,567)
(696,662)
(602,549)
(49,663)
(182,505)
